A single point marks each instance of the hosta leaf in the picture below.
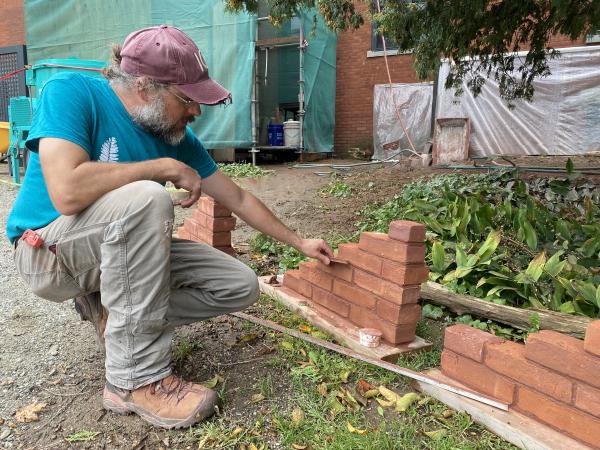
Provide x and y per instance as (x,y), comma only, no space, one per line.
(530,235)
(554,265)
(536,267)
(567,308)
(438,257)
(490,245)
(562,229)
(586,290)
(461,256)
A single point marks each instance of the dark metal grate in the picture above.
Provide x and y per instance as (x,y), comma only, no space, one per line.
(11,59)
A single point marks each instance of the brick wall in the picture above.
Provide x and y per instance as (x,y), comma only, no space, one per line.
(210,223)
(12,23)
(378,286)
(552,378)
(357,75)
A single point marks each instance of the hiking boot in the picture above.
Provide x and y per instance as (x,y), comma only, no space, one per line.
(90,308)
(167,403)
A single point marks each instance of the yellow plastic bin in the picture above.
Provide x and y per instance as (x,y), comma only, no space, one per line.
(4,137)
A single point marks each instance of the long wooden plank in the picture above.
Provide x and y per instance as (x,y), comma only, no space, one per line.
(517,317)
(340,329)
(520,430)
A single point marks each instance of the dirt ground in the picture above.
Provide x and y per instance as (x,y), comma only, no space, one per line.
(48,356)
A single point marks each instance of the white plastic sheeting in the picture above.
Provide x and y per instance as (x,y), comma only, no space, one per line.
(414,101)
(563,119)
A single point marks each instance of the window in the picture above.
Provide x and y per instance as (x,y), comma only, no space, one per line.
(593,37)
(376,38)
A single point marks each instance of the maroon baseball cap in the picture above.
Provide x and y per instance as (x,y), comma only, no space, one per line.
(168,55)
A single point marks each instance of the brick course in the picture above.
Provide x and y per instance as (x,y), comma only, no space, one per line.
(356,291)
(553,378)
(210,223)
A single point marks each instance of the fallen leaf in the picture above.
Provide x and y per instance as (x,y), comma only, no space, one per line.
(249,337)
(380,411)
(322,389)
(351,429)
(212,383)
(447,413)
(371,393)
(384,403)
(299,446)
(404,403)
(319,335)
(389,395)
(30,412)
(363,386)
(252,447)
(436,435)
(304,328)
(237,431)
(345,375)
(297,416)
(257,398)
(287,345)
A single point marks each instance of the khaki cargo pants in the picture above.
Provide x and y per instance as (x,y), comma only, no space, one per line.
(121,246)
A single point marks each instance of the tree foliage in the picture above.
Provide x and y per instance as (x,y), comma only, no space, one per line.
(479,37)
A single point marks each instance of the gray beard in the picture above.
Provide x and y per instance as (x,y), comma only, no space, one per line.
(153,118)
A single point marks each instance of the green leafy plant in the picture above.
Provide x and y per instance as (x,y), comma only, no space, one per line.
(82,436)
(533,243)
(337,188)
(243,170)
(287,257)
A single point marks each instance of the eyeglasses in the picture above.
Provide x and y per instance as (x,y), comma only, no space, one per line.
(187,102)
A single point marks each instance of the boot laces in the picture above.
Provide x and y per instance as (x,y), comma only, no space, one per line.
(171,388)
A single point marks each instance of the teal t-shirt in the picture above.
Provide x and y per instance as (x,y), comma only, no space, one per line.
(86,111)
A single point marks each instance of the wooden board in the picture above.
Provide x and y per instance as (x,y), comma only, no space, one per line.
(340,329)
(517,317)
(522,431)
(451,140)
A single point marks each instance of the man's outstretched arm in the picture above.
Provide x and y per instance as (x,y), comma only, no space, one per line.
(74,182)
(252,211)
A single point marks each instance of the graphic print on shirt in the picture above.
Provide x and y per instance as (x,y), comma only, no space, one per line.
(109,151)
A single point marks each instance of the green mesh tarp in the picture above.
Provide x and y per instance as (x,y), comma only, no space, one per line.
(75,29)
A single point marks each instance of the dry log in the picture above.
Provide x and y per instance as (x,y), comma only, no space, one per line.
(516,317)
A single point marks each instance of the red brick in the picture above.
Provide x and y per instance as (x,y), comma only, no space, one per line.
(294,281)
(330,301)
(354,294)
(182,233)
(398,314)
(508,359)
(381,245)
(221,239)
(208,206)
(214,223)
(310,272)
(227,249)
(468,341)
(592,338)
(192,226)
(564,418)
(343,271)
(392,292)
(477,376)
(407,231)
(587,399)
(360,259)
(405,274)
(564,354)
(394,334)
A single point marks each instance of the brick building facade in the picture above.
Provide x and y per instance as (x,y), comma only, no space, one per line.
(12,23)
(359,70)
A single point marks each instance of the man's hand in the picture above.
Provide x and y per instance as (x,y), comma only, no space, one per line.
(316,248)
(184,177)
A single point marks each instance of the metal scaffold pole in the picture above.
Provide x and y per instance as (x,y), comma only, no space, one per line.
(302,47)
